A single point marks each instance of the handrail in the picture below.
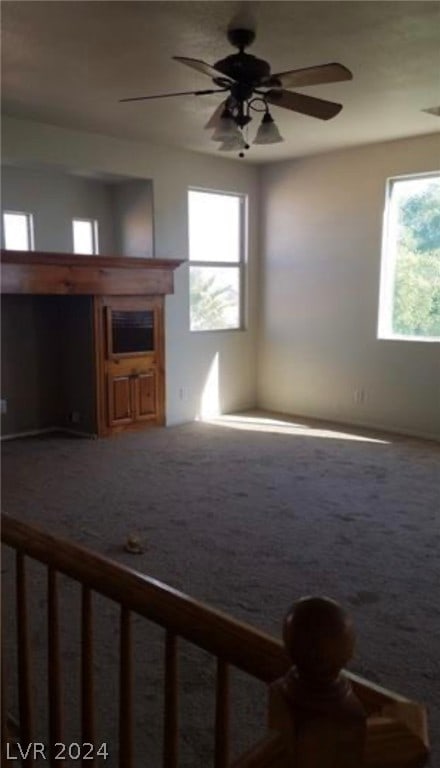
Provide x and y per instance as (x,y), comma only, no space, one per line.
(395,726)
(234,641)
(237,642)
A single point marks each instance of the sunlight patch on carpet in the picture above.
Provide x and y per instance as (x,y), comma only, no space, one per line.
(279,426)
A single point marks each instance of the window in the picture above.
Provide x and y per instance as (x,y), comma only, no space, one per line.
(18,231)
(217,260)
(85,236)
(409,306)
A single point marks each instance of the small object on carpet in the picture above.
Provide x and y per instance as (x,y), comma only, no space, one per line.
(133,545)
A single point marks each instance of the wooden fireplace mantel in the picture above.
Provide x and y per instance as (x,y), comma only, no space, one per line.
(40,272)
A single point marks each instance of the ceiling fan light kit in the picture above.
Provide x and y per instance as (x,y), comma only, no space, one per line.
(234,144)
(268,132)
(226,128)
(252,88)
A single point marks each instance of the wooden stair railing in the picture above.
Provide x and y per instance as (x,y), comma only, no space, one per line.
(319,717)
(323,717)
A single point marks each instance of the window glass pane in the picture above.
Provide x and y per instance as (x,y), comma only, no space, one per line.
(83,237)
(214,226)
(17,231)
(214,298)
(414,251)
(132,331)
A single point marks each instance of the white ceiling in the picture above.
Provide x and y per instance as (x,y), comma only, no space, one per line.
(69,63)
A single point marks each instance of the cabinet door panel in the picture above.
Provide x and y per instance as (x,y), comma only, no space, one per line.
(120,399)
(146,395)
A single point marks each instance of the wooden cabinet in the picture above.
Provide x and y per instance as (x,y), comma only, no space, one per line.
(130,353)
(132,397)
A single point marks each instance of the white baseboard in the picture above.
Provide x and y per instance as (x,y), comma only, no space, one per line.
(29,433)
(399,431)
(47,430)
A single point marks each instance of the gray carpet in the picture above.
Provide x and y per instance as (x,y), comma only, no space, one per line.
(247,521)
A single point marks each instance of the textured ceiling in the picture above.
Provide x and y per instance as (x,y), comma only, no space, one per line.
(69,63)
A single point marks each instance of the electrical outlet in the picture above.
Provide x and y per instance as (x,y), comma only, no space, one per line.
(74,417)
(181,393)
(3,406)
(359,396)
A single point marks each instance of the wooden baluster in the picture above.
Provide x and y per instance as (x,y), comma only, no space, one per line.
(24,660)
(54,667)
(125,692)
(87,687)
(4,724)
(171,721)
(313,707)
(222,715)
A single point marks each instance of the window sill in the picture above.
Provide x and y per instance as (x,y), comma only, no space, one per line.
(217,330)
(397,337)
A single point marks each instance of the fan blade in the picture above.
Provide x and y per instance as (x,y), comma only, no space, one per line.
(326,73)
(307,105)
(203,67)
(215,117)
(179,93)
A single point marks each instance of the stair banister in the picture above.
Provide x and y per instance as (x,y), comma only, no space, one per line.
(320,716)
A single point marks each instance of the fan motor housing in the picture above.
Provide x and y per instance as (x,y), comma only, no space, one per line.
(243,67)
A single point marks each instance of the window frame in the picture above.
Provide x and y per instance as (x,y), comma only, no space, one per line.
(240,265)
(387,266)
(95,237)
(29,227)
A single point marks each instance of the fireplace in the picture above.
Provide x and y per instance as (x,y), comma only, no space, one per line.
(83,342)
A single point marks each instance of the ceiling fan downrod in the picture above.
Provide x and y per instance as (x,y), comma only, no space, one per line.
(241,38)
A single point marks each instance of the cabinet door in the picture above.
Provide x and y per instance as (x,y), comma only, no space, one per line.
(120,399)
(130,362)
(146,396)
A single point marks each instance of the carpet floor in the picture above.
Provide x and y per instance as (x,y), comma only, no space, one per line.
(247,514)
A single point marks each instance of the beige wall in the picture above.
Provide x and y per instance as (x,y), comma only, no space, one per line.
(321,246)
(132,206)
(55,199)
(190,357)
(317,303)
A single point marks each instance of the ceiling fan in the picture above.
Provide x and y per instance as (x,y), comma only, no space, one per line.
(252,88)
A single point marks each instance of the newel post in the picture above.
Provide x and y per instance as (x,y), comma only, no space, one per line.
(321,722)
